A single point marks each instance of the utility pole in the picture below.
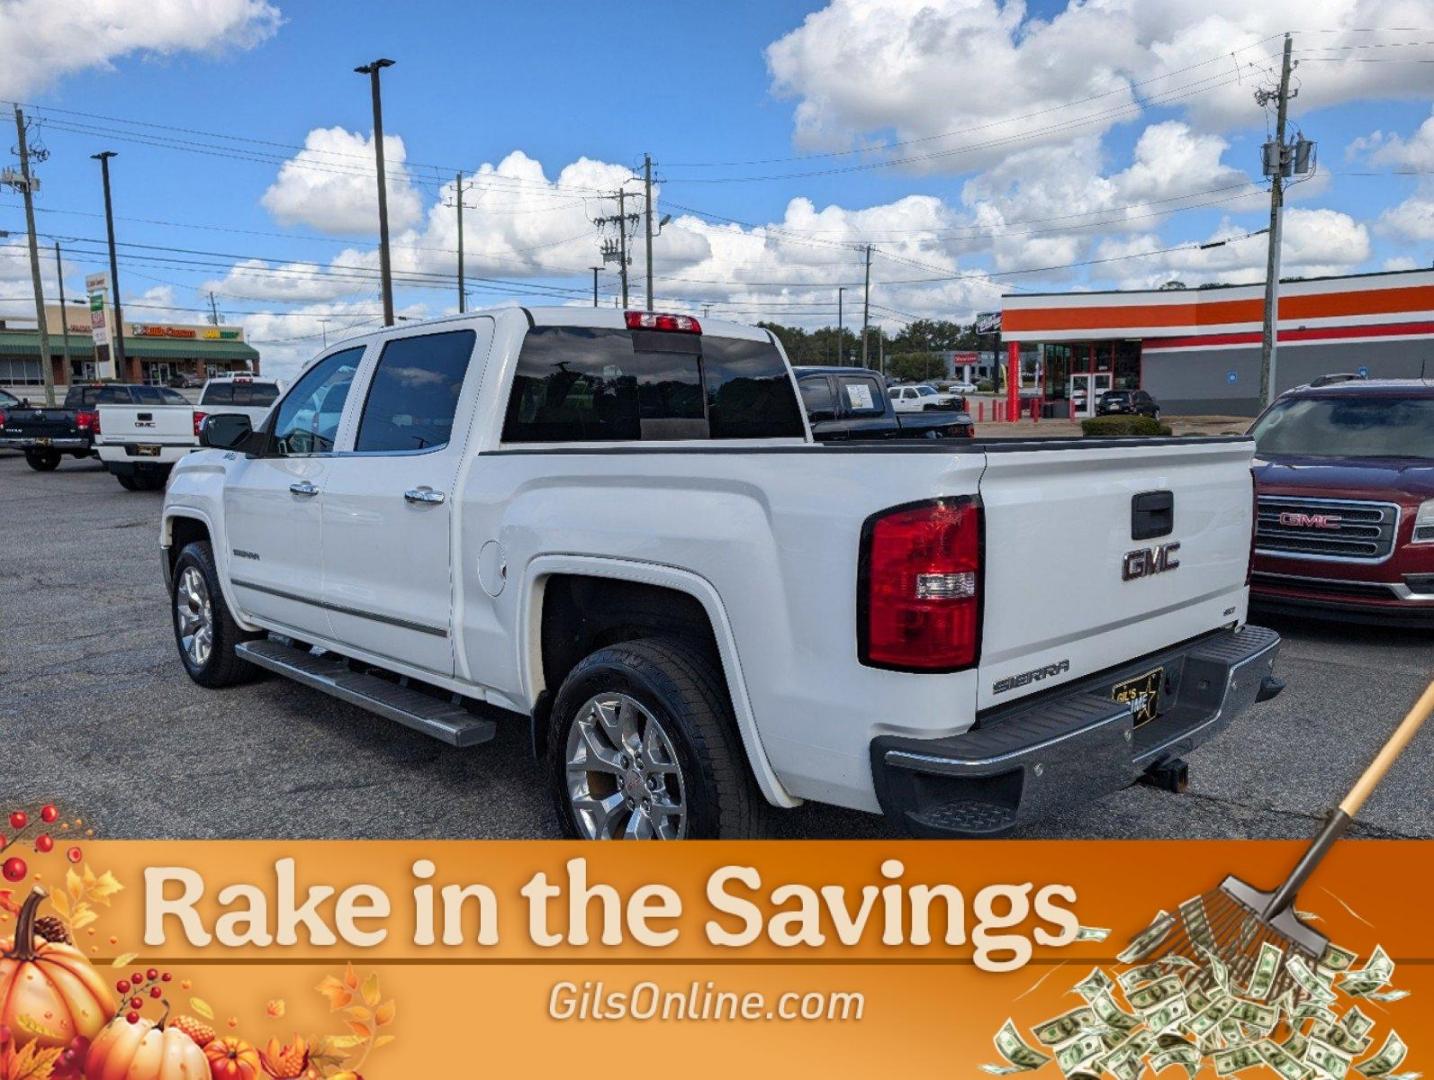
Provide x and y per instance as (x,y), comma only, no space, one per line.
(647,214)
(117,342)
(64,321)
(27,189)
(595,270)
(1269,340)
(866,305)
(458,201)
(841,329)
(385,269)
(619,252)
(213,309)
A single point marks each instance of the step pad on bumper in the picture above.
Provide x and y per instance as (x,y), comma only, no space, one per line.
(443,720)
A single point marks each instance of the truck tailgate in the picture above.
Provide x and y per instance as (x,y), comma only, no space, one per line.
(160,425)
(1079,576)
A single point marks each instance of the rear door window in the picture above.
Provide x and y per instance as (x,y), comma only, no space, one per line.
(587,384)
(817,394)
(218,394)
(861,394)
(414,393)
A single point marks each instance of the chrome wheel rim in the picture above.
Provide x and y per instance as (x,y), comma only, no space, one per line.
(194,616)
(623,778)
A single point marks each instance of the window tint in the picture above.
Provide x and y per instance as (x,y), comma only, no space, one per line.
(217,394)
(862,395)
(817,394)
(113,395)
(580,384)
(255,393)
(149,395)
(749,392)
(307,420)
(171,397)
(414,392)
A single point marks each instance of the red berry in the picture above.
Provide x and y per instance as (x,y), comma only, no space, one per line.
(155,992)
(152,974)
(19,819)
(137,978)
(4,841)
(166,977)
(74,854)
(48,813)
(136,1003)
(122,986)
(132,1017)
(14,869)
(44,844)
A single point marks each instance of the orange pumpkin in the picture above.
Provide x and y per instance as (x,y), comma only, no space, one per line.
(49,993)
(233,1059)
(144,1051)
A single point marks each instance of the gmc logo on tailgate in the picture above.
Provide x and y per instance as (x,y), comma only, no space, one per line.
(1290,519)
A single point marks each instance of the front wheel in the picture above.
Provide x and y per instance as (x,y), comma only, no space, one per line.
(42,460)
(643,746)
(204,630)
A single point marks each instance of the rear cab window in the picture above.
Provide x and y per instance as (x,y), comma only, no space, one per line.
(598,384)
(861,395)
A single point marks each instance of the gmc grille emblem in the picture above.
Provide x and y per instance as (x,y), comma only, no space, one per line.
(1145,562)
(1290,519)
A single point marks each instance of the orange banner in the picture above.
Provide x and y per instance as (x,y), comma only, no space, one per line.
(404,959)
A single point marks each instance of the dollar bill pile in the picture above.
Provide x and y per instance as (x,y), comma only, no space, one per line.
(1194,1012)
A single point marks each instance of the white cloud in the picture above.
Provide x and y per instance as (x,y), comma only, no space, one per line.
(46,39)
(993,77)
(294,282)
(330,185)
(288,340)
(1412,219)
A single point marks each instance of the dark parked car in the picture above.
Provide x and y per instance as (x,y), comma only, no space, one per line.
(1344,474)
(47,435)
(853,403)
(1127,403)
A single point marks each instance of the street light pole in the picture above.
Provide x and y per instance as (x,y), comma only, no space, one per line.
(64,321)
(27,187)
(117,344)
(458,201)
(384,267)
(841,329)
(595,270)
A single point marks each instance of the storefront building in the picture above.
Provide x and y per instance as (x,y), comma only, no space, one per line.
(155,353)
(1197,350)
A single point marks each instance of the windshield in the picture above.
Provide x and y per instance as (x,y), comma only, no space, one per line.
(926,391)
(1348,427)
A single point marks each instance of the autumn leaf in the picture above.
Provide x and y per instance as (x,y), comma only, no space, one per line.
(84,915)
(202,1007)
(74,885)
(337,993)
(276,1008)
(61,903)
(103,888)
(359,1013)
(7,902)
(363,1031)
(124,960)
(383,1040)
(371,994)
(340,1043)
(33,1063)
(385,1013)
(351,979)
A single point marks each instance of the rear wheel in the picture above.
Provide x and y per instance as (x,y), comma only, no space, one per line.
(204,630)
(643,746)
(42,460)
(129,483)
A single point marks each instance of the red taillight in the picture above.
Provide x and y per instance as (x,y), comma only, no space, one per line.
(919,587)
(88,421)
(649,320)
(3,418)
(198,420)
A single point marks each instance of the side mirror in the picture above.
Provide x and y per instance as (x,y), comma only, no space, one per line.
(225,431)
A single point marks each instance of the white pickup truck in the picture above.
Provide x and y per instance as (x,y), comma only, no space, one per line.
(139,444)
(616,529)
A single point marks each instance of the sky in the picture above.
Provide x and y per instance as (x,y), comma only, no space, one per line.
(978,147)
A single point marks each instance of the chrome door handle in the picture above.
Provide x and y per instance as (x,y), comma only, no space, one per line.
(424,495)
(303,487)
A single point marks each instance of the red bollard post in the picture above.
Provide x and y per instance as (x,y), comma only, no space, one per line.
(1036,411)
(980,412)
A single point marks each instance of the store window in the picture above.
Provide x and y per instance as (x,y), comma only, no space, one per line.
(1127,365)
(21,371)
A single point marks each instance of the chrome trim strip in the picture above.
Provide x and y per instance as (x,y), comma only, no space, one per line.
(422,628)
(1398,589)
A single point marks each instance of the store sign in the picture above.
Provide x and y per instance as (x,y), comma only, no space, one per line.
(988,322)
(961,359)
(140,330)
(96,287)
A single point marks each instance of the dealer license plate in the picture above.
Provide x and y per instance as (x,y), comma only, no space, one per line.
(146,450)
(1142,693)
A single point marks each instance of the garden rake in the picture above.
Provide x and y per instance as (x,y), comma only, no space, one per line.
(1231,923)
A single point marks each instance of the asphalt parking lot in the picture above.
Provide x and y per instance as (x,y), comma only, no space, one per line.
(95,711)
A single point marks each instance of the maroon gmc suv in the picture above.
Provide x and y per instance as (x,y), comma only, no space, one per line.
(1344,475)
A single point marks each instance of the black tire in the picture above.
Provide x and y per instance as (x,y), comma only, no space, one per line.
(681,685)
(42,460)
(128,482)
(222,666)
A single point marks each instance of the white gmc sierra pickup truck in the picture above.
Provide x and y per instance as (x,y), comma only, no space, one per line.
(616,528)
